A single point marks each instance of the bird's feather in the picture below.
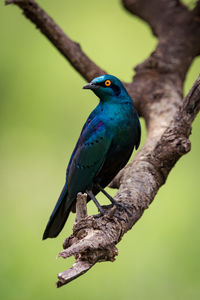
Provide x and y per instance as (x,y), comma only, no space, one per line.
(88,157)
(86,160)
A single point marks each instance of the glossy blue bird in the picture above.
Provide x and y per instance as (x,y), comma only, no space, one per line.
(104,147)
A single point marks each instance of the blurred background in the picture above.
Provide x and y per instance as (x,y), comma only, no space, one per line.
(43,108)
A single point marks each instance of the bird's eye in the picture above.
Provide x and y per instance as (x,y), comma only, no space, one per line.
(107,82)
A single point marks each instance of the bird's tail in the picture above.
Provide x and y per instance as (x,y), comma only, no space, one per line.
(58,217)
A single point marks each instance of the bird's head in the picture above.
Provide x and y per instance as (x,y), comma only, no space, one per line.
(106,86)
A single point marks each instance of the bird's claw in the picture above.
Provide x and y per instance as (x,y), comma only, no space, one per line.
(119,206)
(104,211)
(124,207)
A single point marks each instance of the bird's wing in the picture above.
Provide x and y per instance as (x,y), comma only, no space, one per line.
(88,156)
(80,140)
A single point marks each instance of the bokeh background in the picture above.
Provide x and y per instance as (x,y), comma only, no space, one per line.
(42,110)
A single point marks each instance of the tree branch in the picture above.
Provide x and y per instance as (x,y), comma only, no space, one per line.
(178,31)
(156,13)
(69,49)
(94,240)
(157,90)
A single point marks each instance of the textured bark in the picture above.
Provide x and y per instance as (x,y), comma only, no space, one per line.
(157,90)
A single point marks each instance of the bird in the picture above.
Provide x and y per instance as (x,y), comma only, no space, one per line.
(106,142)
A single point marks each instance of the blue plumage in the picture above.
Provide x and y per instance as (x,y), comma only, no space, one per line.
(105,145)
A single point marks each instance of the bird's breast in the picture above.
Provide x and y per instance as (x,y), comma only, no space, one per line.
(121,128)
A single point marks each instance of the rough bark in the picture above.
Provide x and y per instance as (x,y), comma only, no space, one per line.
(157,89)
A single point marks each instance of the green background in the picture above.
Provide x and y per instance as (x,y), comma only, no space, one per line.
(43,108)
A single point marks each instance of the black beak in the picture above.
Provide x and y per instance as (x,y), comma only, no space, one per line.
(90,86)
(87,86)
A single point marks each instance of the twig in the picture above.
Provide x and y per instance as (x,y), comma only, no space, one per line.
(81,207)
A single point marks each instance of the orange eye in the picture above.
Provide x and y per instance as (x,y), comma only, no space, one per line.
(107,82)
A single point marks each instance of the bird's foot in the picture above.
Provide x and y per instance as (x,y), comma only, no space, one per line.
(120,206)
(104,211)
(124,207)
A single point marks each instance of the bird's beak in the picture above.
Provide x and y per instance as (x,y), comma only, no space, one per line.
(90,86)
(87,86)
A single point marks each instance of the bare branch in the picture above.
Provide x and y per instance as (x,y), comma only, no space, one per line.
(174,52)
(78,269)
(157,90)
(157,13)
(71,50)
(94,240)
(178,32)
